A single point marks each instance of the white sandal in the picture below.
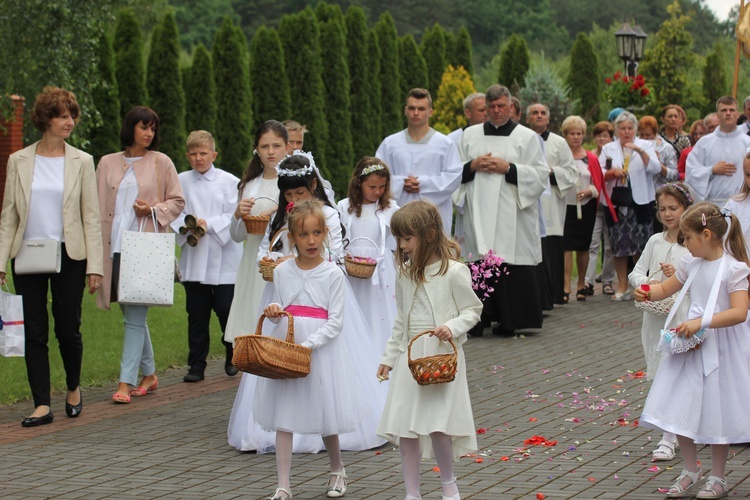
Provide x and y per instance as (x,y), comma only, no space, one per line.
(277,495)
(681,492)
(336,490)
(664,451)
(708,488)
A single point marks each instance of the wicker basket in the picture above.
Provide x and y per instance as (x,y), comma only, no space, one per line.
(267,266)
(270,357)
(256,224)
(436,369)
(658,307)
(356,269)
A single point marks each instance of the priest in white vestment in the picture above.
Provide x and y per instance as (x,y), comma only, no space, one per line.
(424,163)
(505,173)
(563,175)
(714,166)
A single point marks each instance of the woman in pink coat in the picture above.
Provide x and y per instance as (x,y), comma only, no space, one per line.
(131,184)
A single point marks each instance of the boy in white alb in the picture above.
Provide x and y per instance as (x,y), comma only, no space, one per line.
(424,163)
(209,267)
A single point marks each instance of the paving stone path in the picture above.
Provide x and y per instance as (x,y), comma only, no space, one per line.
(572,391)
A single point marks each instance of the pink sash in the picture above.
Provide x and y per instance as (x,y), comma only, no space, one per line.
(307,311)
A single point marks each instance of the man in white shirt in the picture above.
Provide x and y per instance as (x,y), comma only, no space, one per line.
(714,166)
(424,163)
(506,173)
(475,111)
(746,112)
(563,176)
(209,264)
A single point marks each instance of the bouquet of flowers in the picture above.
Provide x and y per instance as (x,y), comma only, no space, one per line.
(627,92)
(484,273)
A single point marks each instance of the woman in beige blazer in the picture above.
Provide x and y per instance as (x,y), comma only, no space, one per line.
(50,193)
(132,184)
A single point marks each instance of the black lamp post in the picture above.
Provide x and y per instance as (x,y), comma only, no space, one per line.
(631,43)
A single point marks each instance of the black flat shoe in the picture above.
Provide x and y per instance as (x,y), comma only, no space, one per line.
(37,421)
(192,377)
(477,330)
(497,330)
(74,410)
(230,369)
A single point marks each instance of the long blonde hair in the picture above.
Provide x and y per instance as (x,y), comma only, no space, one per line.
(421,219)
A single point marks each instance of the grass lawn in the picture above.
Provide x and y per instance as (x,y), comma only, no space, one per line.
(102,345)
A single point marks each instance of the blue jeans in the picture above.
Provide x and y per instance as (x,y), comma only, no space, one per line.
(136,347)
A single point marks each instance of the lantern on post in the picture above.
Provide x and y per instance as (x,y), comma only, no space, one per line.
(631,42)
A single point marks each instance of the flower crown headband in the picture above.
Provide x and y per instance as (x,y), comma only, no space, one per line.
(299,172)
(684,192)
(375,167)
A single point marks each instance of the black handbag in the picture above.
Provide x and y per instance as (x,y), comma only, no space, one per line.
(622,196)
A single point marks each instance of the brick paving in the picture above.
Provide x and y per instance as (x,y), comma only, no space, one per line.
(574,382)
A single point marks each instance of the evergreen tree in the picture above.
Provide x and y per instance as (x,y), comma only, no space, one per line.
(584,79)
(104,135)
(450,51)
(129,67)
(413,68)
(714,78)
(514,63)
(373,80)
(300,35)
(667,63)
(413,65)
(200,93)
(164,83)
(361,110)
(339,149)
(433,51)
(391,100)
(234,108)
(462,55)
(449,107)
(544,85)
(268,78)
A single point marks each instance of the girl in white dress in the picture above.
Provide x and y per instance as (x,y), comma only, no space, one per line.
(257,190)
(329,401)
(299,181)
(739,204)
(366,215)
(433,292)
(702,395)
(657,263)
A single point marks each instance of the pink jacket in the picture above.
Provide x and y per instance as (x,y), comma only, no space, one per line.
(158,186)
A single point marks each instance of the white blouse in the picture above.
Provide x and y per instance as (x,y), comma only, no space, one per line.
(45,220)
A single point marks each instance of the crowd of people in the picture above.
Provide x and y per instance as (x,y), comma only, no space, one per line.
(648,198)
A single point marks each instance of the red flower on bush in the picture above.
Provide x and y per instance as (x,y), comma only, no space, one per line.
(627,92)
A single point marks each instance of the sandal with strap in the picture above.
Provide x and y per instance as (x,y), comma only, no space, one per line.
(607,288)
(709,490)
(581,295)
(280,494)
(678,491)
(338,488)
(566,297)
(664,451)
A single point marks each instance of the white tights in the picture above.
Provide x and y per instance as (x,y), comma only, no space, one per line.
(411,460)
(284,456)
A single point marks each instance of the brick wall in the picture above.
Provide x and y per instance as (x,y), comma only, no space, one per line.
(10,141)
